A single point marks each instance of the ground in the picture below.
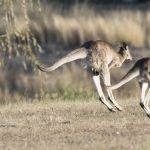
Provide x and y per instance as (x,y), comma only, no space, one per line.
(73,125)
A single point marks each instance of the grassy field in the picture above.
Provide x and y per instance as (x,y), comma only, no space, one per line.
(69,125)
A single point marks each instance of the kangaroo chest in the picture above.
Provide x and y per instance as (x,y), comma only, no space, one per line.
(98,55)
(149,65)
(145,70)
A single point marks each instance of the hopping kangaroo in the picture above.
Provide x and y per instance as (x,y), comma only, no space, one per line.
(100,57)
(141,69)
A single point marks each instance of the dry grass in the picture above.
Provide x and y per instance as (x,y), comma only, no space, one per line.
(113,27)
(73,125)
(84,22)
(81,22)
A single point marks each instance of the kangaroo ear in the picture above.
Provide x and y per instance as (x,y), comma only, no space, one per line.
(125,46)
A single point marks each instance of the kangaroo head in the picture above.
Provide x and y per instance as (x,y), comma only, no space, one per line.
(125,52)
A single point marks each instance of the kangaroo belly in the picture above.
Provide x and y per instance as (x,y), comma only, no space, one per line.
(149,70)
(97,59)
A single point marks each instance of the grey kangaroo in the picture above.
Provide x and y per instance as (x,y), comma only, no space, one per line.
(141,69)
(100,57)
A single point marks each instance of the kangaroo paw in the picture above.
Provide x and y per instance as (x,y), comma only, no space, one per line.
(112,109)
(119,108)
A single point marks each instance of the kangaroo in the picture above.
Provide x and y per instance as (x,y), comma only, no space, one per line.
(141,69)
(100,56)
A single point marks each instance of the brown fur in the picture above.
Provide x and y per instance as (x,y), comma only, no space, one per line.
(99,55)
(99,51)
(144,69)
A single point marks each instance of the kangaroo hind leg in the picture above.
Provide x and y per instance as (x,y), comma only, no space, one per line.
(106,78)
(96,80)
(147,100)
(144,97)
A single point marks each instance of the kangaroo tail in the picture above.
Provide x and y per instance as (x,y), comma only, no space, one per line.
(134,72)
(79,53)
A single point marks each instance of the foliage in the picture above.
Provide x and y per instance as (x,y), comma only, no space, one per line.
(16,43)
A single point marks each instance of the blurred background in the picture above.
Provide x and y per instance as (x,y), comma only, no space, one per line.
(33,31)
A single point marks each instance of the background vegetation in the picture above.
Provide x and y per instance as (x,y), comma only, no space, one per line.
(33,31)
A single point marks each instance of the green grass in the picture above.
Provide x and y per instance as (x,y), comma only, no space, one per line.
(65,125)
